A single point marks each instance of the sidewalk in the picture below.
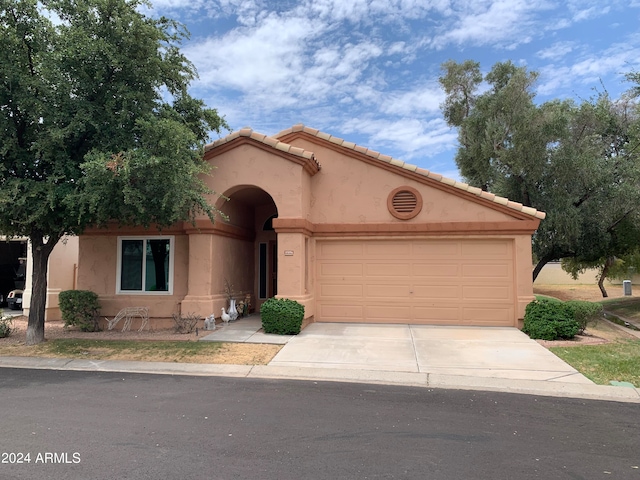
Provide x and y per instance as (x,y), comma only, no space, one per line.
(472,358)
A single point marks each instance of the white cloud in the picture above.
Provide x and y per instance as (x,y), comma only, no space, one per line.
(424,99)
(288,59)
(356,11)
(589,13)
(557,50)
(412,137)
(508,22)
(590,69)
(254,60)
(244,11)
(368,68)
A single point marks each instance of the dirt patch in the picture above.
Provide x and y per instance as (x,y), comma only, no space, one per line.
(228,353)
(590,293)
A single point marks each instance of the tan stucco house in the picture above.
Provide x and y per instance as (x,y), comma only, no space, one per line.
(354,235)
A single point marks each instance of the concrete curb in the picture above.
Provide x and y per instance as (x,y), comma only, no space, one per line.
(423,379)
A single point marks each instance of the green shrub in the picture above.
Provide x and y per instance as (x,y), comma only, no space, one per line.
(80,308)
(583,312)
(282,316)
(6,327)
(549,320)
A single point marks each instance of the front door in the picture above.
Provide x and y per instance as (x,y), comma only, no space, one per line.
(273,269)
(268,269)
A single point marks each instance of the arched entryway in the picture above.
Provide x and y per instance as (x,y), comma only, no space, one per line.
(252,266)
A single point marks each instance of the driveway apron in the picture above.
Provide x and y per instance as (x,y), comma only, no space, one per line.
(490,352)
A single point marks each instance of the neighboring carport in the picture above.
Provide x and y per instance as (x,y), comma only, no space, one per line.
(12,274)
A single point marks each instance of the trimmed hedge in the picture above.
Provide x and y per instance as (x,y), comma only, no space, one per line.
(549,320)
(80,308)
(282,316)
(583,312)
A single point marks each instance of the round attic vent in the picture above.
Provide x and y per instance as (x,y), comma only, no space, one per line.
(404,203)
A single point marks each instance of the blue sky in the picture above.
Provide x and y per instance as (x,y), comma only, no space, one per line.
(367,70)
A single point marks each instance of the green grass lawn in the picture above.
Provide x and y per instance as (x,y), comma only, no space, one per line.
(615,361)
(618,361)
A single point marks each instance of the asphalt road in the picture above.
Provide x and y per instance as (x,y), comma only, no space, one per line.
(79,425)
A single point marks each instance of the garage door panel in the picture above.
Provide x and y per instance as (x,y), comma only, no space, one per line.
(436,292)
(341,312)
(485,248)
(438,270)
(446,314)
(387,290)
(487,271)
(388,269)
(488,292)
(393,313)
(387,249)
(341,269)
(448,282)
(340,250)
(341,290)
(487,316)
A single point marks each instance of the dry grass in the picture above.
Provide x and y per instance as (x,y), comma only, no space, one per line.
(578,292)
(149,345)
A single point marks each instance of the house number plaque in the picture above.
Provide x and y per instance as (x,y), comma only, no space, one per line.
(288,253)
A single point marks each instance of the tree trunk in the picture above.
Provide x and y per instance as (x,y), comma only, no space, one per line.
(607,263)
(40,262)
(541,263)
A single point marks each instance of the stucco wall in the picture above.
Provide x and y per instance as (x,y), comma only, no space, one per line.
(97,270)
(250,165)
(233,260)
(347,190)
(238,214)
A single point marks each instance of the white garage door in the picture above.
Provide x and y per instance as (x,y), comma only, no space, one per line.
(439,282)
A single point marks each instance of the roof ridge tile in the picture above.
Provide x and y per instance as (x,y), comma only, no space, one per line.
(267,140)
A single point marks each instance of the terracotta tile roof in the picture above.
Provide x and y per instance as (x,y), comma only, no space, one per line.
(413,168)
(270,141)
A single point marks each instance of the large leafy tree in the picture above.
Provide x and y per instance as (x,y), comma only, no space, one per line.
(96,125)
(577,163)
(610,235)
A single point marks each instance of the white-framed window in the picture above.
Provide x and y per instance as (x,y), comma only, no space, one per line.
(145,265)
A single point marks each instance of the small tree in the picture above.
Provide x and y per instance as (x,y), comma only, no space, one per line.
(97,125)
(578,163)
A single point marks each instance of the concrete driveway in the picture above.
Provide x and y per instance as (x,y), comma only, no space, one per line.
(494,352)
